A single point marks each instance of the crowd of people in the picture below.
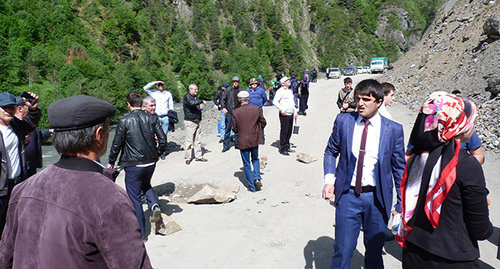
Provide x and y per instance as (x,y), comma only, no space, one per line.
(441,204)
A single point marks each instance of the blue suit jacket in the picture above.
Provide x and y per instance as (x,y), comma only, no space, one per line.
(390,165)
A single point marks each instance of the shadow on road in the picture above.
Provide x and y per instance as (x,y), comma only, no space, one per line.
(318,253)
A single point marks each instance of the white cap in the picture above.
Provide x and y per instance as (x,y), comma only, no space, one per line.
(283,79)
(243,94)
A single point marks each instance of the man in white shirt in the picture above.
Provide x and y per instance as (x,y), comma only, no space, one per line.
(388,98)
(12,136)
(164,102)
(283,100)
(363,162)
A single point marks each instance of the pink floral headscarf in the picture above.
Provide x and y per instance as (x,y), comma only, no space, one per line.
(448,113)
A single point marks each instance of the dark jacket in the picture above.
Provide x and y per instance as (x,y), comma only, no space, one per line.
(229,99)
(304,85)
(248,121)
(71,216)
(135,137)
(21,128)
(191,107)
(34,150)
(217,99)
(463,219)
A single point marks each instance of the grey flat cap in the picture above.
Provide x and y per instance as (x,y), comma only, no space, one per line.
(78,112)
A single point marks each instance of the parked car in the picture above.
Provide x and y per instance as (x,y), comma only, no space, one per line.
(335,73)
(360,70)
(351,70)
(366,69)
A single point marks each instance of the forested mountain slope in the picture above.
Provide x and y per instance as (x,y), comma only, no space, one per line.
(108,48)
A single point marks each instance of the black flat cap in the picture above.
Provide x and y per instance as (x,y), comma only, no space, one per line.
(78,112)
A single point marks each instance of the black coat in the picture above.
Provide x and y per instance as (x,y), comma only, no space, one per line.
(135,138)
(190,105)
(464,215)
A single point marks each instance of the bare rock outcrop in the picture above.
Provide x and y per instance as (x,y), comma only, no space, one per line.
(458,51)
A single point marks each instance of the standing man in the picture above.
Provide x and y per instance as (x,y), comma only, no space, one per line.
(217,102)
(295,85)
(13,133)
(345,101)
(164,102)
(228,103)
(71,215)
(287,112)
(371,157)
(135,137)
(33,140)
(149,105)
(258,95)
(248,123)
(304,93)
(192,121)
(388,98)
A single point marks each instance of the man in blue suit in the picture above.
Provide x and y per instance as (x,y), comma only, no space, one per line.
(370,148)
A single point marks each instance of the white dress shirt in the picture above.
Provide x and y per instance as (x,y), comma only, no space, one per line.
(283,100)
(371,151)
(11,143)
(383,111)
(164,100)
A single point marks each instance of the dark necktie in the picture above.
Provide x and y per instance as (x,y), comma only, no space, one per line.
(361,158)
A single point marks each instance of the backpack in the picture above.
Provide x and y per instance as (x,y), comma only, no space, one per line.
(295,85)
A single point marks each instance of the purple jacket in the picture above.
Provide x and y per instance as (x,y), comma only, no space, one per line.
(71,216)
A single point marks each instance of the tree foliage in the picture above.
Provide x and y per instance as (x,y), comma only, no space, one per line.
(108,48)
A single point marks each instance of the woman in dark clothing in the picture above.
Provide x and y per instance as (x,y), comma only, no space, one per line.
(443,189)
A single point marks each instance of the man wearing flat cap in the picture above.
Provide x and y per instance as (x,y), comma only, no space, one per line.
(71,214)
(248,122)
(12,136)
(228,103)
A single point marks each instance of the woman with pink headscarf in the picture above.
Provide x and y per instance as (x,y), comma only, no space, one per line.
(443,189)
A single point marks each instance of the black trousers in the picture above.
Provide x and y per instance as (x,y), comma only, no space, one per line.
(416,257)
(303,102)
(286,123)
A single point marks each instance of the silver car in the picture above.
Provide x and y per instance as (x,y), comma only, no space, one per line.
(335,73)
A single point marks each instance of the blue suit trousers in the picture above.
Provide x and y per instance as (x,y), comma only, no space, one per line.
(351,212)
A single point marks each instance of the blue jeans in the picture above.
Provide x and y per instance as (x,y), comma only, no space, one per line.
(138,179)
(227,132)
(351,212)
(245,157)
(164,123)
(223,126)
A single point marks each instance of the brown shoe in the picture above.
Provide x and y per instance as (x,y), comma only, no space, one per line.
(201,160)
(188,162)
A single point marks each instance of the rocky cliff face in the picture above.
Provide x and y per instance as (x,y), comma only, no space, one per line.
(455,53)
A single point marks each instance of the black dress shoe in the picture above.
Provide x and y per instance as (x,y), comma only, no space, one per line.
(291,151)
(284,153)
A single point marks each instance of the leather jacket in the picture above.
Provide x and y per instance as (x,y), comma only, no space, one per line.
(229,99)
(135,137)
(190,105)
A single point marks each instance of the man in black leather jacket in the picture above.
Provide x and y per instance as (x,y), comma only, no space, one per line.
(135,137)
(192,107)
